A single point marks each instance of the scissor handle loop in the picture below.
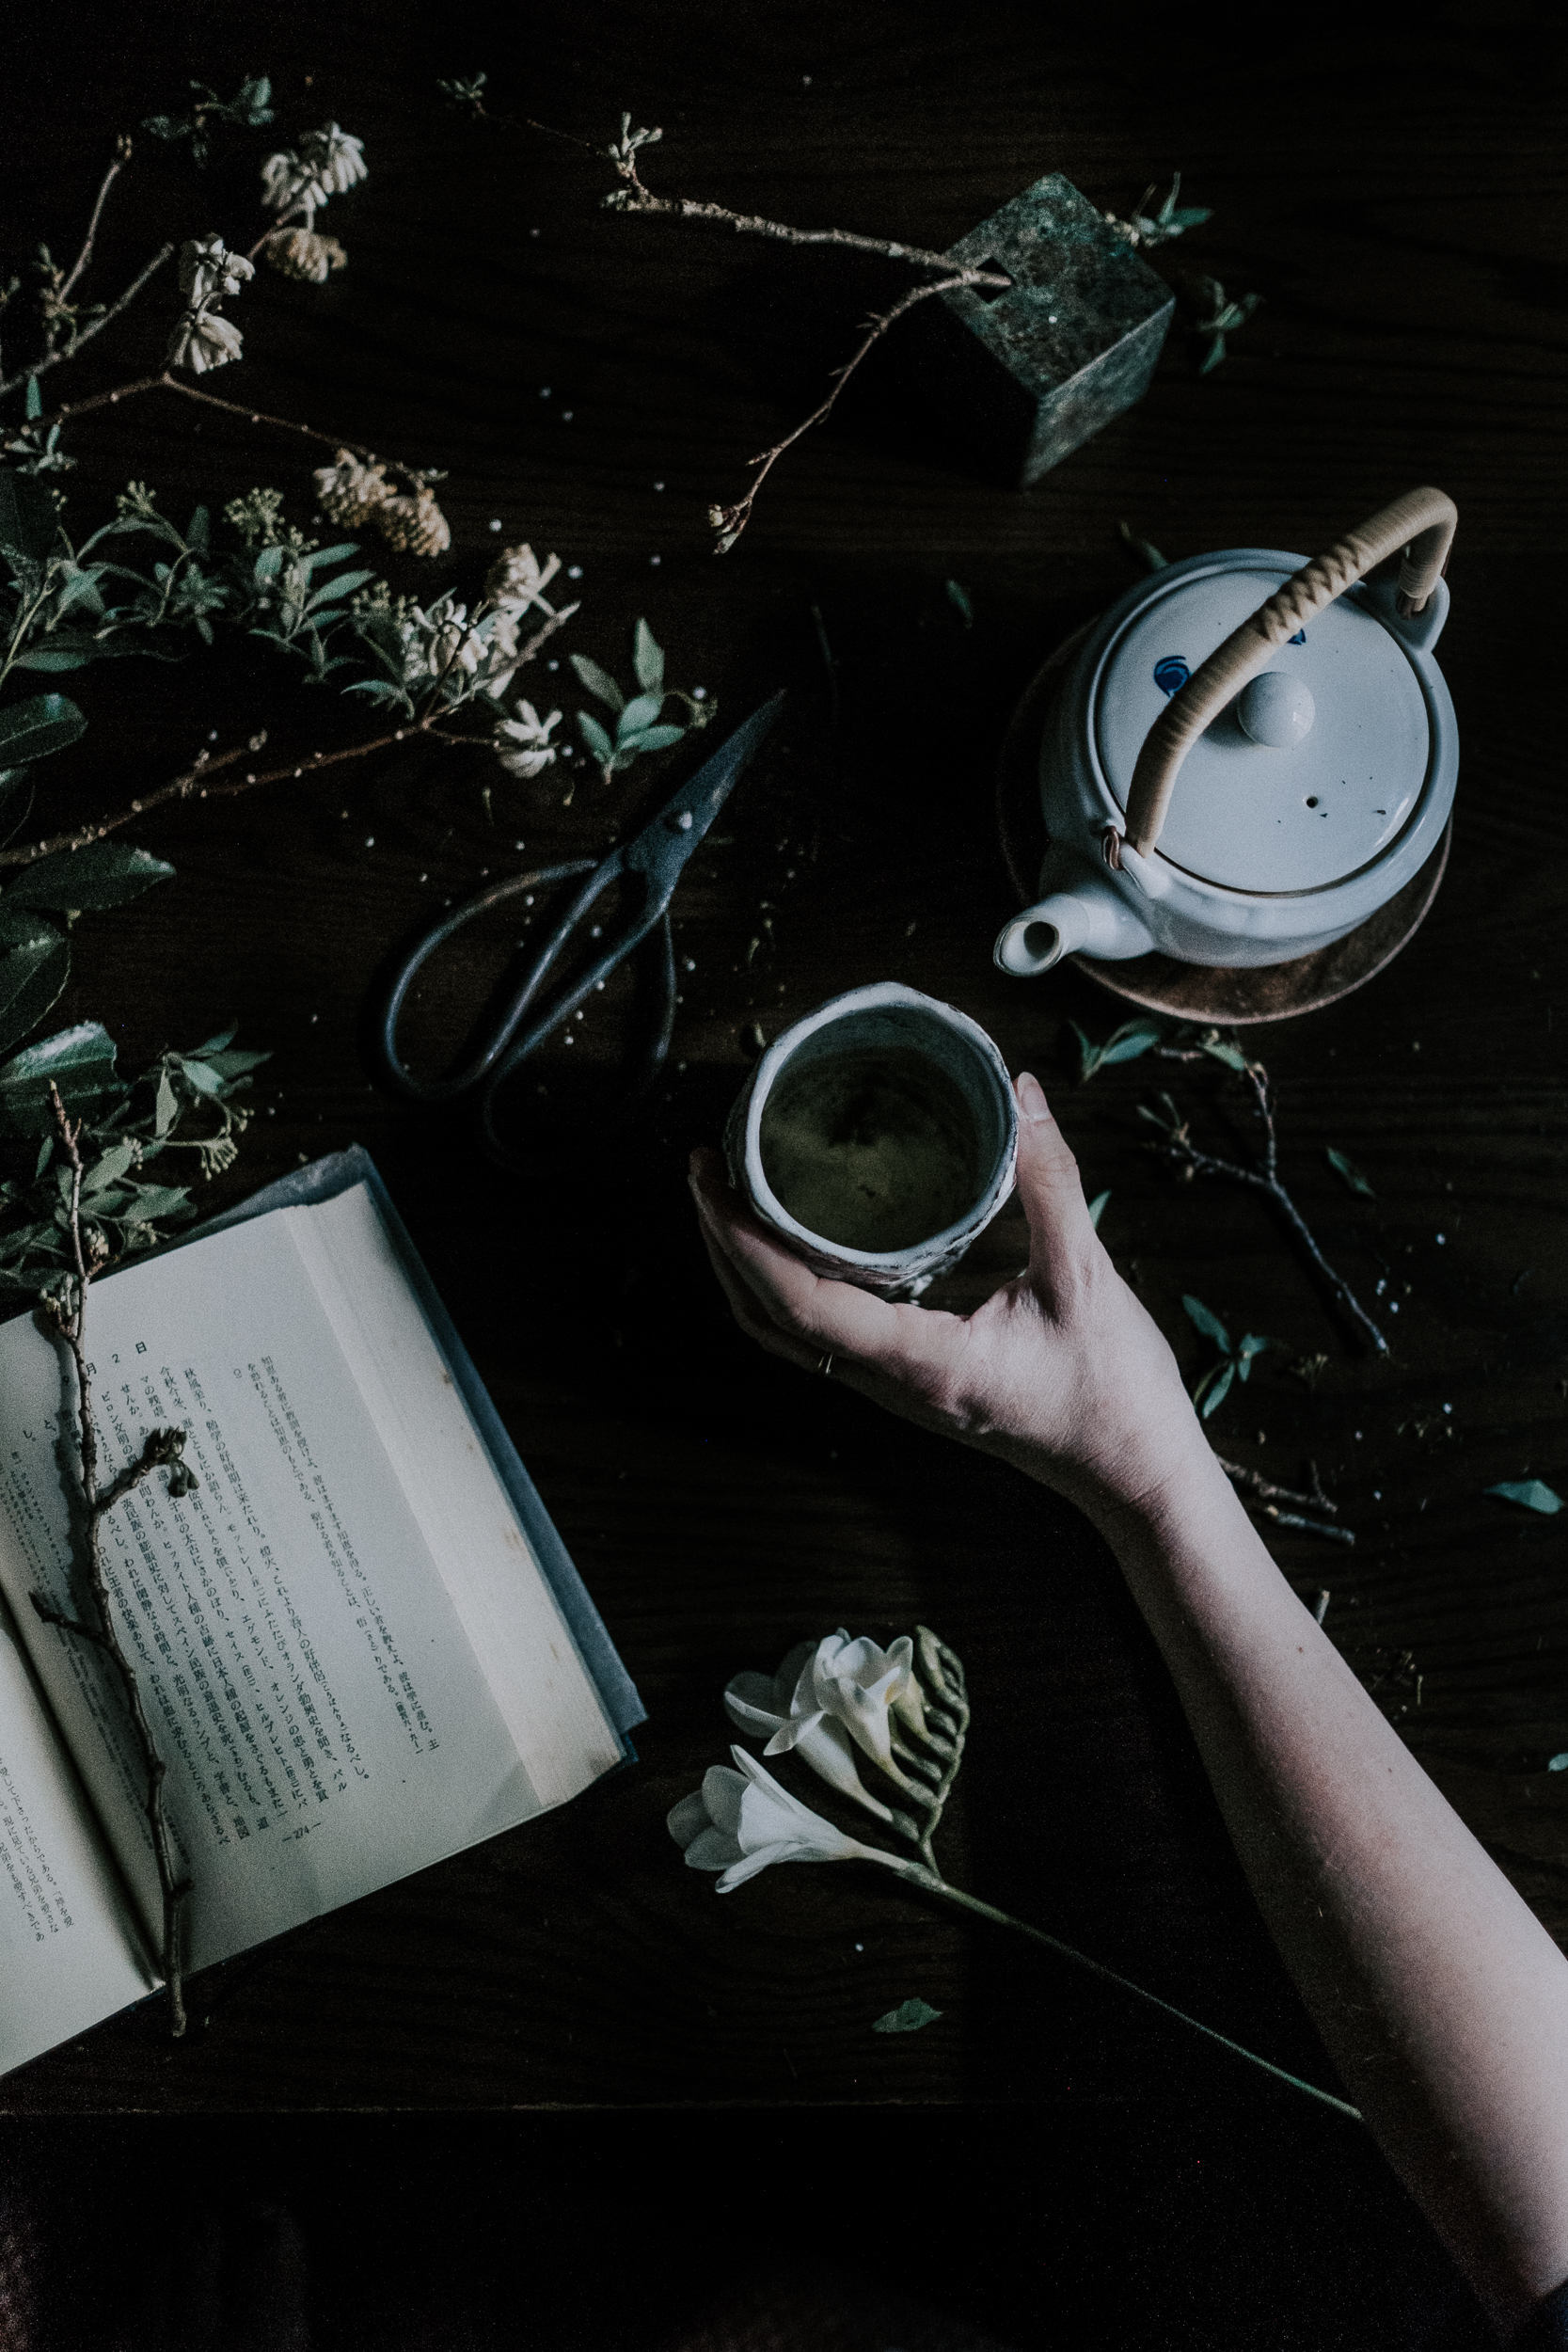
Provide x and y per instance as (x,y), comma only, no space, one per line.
(495,1045)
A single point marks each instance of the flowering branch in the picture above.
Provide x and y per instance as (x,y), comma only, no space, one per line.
(1182,1153)
(64,1312)
(80,335)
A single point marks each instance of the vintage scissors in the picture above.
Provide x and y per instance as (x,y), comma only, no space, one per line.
(658,858)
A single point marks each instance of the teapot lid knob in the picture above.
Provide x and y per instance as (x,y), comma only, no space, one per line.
(1276,710)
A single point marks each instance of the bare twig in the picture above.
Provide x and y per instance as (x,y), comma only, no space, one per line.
(1180,1150)
(161,1449)
(167,382)
(84,335)
(730,521)
(122,156)
(1267,1491)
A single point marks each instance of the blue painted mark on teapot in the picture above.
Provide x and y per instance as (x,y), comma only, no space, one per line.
(1171,674)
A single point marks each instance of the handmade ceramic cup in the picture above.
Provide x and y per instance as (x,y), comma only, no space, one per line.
(877,1137)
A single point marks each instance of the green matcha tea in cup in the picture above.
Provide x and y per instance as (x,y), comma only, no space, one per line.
(877,1137)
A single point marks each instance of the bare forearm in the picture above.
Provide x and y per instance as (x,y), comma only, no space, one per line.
(1440,1996)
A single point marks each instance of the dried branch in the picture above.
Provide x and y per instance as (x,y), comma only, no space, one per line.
(1267,1491)
(66,1316)
(84,335)
(1181,1152)
(167,382)
(635,195)
(730,521)
(121,157)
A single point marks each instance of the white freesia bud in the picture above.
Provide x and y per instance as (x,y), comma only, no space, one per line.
(865,1687)
(523,744)
(204,340)
(739,1822)
(516,580)
(783,1709)
(335,161)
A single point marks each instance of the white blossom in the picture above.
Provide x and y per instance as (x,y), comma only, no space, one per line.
(287,183)
(336,161)
(740,1821)
(207,269)
(529,737)
(204,340)
(866,1689)
(516,580)
(783,1708)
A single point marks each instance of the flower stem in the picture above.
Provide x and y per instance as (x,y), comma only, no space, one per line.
(935,1885)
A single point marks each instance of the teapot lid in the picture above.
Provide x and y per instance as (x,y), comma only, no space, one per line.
(1314,770)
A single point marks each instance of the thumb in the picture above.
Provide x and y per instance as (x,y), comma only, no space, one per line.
(1050,1189)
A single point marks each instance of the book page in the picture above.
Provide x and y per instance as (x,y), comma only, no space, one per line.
(327,1726)
(69,1952)
(548,1699)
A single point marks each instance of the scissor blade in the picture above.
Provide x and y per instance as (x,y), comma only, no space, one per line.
(662,848)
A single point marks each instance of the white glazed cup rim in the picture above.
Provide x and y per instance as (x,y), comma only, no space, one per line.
(880,995)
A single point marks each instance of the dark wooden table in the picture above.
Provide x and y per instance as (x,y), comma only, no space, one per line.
(1396,210)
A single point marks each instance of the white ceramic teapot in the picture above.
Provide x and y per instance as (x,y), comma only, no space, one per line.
(1247,756)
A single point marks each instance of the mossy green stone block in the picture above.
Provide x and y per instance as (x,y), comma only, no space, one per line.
(1070,345)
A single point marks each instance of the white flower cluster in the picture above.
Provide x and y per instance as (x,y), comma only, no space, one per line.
(203,338)
(329,162)
(515,586)
(827,1699)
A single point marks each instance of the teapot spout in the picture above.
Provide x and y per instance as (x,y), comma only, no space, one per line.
(1092,919)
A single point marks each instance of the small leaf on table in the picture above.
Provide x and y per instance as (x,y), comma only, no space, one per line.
(1208,1323)
(647,660)
(906,2018)
(103,874)
(1352,1174)
(1532,1493)
(42,723)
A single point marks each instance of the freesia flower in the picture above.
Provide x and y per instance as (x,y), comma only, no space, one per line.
(867,1689)
(287,181)
(528,736)
(783,1709)
(740,1821)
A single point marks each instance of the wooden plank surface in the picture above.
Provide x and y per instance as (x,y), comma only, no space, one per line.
(1398,222)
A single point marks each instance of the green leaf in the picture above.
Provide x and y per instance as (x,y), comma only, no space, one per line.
(906,2018)
(79,1061)
(1352,1174)
(1133,1039)
(1208,1323)
(28,517)
(267,565)
(650,740)
(165,1110)
(1097,1208)
(63,649)
(199,530)
(198,1075)
(1220,1390)
(598,682)
(44,723)
(1222,1050)
(109,1169)
(35,399)
(318,556)
(1531,1492)
(958,598)
(1559,1763)
(35,965)
(215,1044)
(103,874)
(594,736)
(647,660)
(1252,1346)
(234,1065)
(343,585)
(152,1201)
(640,713)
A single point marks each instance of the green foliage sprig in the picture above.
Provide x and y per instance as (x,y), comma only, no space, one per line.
(1235,1362)
(639,723)
(249,109)
(124,1126)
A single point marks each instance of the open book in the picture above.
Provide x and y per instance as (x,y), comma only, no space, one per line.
(360,1642)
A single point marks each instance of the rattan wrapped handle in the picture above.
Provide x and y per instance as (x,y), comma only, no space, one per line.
(1422,523)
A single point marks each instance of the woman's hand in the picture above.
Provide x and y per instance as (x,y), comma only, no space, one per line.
(1062,1372)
